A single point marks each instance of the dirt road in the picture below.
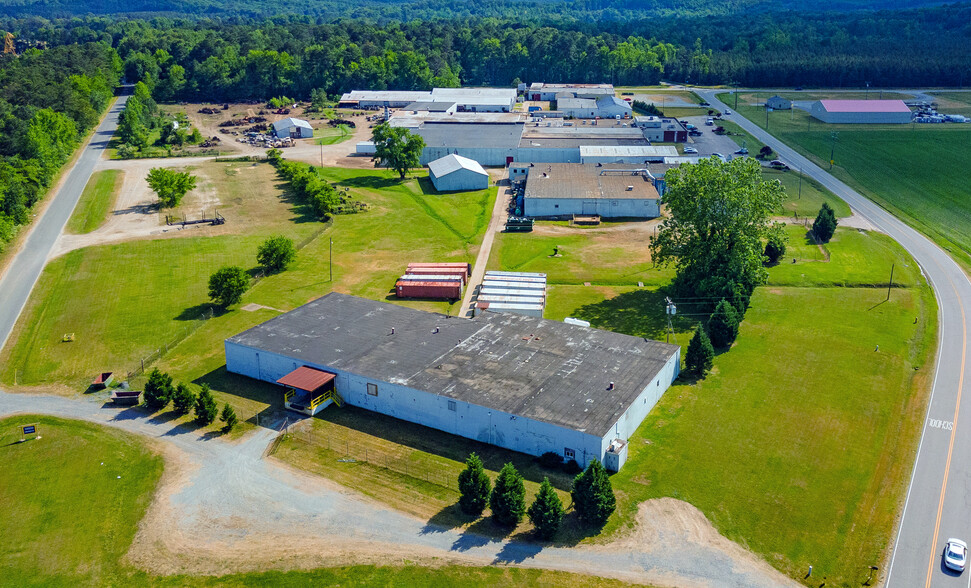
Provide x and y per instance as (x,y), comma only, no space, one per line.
(223,507)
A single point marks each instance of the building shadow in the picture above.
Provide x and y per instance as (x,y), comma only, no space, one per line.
(222,381)
(639,313)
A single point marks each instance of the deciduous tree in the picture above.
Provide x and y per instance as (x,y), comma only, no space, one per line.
(276,253)
(169,185)
(227,285)
(775,244)
(397,148)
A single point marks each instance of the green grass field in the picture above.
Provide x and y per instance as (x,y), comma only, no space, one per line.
(805,196)
(328,135)
(908,169)
(73,499)
(96,200)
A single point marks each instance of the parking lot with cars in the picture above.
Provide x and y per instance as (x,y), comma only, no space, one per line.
(708,143)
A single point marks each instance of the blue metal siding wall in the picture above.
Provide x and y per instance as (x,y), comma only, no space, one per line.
(486,156)
(467,420)
(605,207)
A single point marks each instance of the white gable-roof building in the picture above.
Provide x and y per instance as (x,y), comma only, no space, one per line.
(294,128)
(454,173)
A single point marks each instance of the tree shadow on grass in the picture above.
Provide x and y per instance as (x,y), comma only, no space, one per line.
(183,428)
(372,182)
(303,212)
(199,311)
(164,417)
(210,435)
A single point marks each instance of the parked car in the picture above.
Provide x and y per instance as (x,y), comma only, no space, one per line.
(742,151)
(719,156)
(727,111)
(956,554)
(694,133)
(690,150)
(704,104)
(776,164)
(709,121)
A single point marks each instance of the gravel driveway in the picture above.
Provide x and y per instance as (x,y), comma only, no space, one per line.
(223,507)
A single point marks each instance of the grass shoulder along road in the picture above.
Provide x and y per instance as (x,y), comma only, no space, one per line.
(96,201)
(907,169)
(73,500)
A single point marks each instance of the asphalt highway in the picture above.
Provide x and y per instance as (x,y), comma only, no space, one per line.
(27,265)
(938,503)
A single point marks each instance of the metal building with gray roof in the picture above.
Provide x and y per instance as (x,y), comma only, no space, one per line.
(526,384)
(454,173)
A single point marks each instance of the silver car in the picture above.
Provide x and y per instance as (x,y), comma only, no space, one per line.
(956,554)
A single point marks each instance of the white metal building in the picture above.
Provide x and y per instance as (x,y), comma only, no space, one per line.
(454,173)
(565,190)
(626,153)
(861,111)
(522,383)
(293,128)
(603,107)
(539,91)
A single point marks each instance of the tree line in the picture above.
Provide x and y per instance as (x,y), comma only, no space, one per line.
(48,100)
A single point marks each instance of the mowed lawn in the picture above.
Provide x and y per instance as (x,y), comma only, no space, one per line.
(96,200)
(914,171)
(72,502)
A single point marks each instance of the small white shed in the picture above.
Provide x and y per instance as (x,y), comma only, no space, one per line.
(456,173)
(293,128)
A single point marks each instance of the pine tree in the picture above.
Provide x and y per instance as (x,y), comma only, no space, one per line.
(229,417)
(723,325)
(206,409)
(546,512)
(593,496)
(183,399)
(474,485)
(825,224)
(158,390)
(700,355)
(508,498)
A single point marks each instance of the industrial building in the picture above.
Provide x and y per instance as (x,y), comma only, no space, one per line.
(526,384)
(603,107)
(541,92)
(661,129)
(492,144)
(293,128)
(565,191)
(778,103)
(861,111)
(454,173)
(458,99)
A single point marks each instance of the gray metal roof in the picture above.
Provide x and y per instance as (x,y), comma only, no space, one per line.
(429,106)
(541,369)
(575,103)
(589,181)
(291,122)
(501,136)
(591,150)
(453,163)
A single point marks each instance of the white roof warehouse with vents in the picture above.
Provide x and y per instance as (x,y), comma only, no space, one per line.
(526,384)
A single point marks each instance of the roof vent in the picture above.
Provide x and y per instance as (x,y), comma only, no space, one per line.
(630,188)
(435,331)
(610,386)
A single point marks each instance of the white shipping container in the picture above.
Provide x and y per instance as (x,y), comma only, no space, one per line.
(517,274)
(515,285)
(535,294)
(534,310)
(511,299)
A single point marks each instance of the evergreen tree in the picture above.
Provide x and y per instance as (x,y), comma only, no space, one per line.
(229,417)
(546,512)
(474,485)
(508,498)
(593,496)
(206,409)
(723,325)
(825,224)
(700,355)
(183,399)
(158,390)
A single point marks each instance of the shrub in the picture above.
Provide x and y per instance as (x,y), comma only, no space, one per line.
(825,224)
(546,512)
(723,325)
(700,355)
(474,485)
(508,497)
(551,460)
(158,390)
(593,496)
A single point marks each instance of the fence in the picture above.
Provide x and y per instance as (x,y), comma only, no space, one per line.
(154,356)
(401,462)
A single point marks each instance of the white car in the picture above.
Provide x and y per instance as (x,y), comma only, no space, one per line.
(727,111)
(690,150)
(720,156)
(956,554)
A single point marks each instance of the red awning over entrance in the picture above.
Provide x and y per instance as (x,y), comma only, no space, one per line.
(306,378)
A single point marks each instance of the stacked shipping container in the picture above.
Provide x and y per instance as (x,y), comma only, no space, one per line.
(433,280)
(517,292)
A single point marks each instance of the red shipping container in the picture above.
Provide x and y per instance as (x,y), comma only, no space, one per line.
(466,267)
(439,290)
(436,271)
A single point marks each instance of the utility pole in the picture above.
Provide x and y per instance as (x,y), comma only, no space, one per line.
(736,95)
(866,96)
(800,185)
(766,114)
(670,311)
(832,152)
(321,155)
(890,285)
(330,259)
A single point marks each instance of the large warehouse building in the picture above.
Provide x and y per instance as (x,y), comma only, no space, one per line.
(462,99)
(861,111)
(565,190)
(522,383)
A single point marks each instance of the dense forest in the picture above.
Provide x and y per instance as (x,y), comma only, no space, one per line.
(48,100)
(66,70)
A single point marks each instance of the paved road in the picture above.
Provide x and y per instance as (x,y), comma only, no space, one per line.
(23,272)
(938,503)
